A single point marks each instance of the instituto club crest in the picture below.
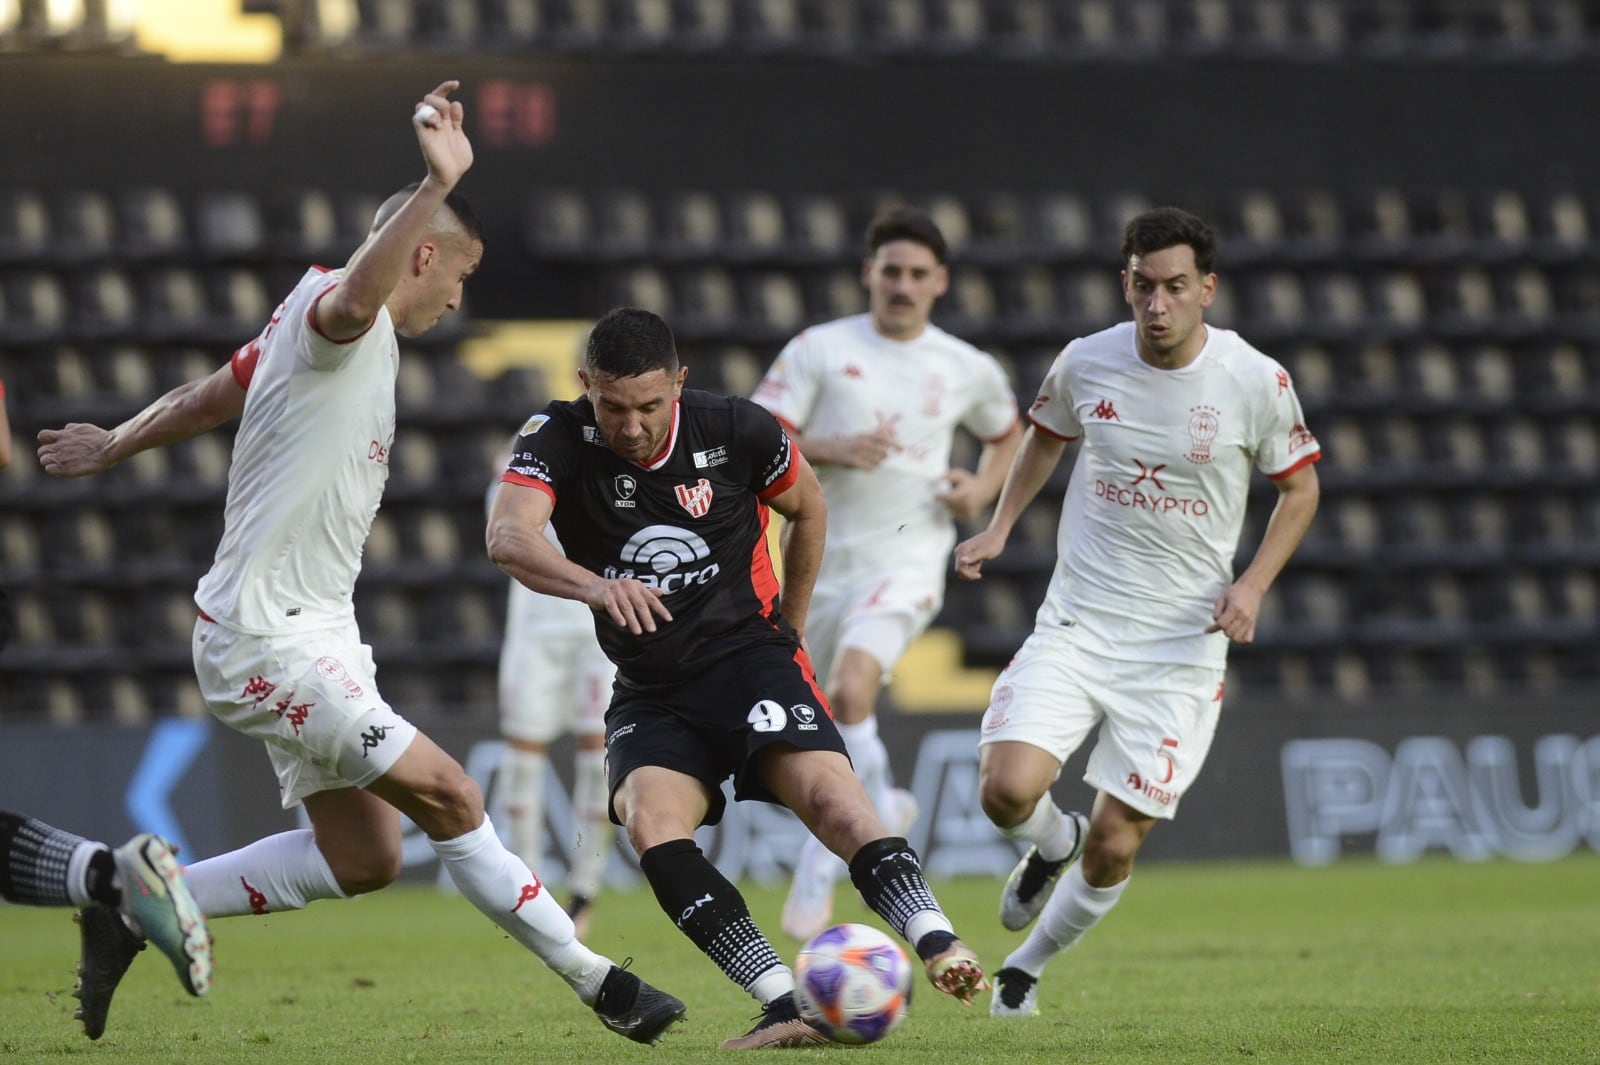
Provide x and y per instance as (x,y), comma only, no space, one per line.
(695,498)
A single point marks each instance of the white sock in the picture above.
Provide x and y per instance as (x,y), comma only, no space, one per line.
(502,887)
(78,872)
(1047,828)
(591,796)
(870,759)
(1073,909)
(522,797)
(271,875)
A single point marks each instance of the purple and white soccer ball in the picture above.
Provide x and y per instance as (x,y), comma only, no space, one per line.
(853,983)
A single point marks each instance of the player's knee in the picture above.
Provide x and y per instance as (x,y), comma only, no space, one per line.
(1006,801)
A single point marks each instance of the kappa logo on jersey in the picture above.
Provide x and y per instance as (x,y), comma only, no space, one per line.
(661,552)
(1106,411)
(625,486)
(852,370)
(1203,425)
(1299,437)
(1283,381)
(534,424)
(704,460)
(805,717)
(696,498)
(768,716)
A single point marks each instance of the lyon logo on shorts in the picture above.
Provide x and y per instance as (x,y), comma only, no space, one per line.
(696,499)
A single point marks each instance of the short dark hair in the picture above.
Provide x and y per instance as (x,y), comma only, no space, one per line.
(454,202)
(906,223)
(629,342)
(1167,227)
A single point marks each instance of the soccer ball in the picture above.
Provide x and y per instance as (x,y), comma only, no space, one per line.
(852,983)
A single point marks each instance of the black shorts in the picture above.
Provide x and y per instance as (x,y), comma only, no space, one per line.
(713,726)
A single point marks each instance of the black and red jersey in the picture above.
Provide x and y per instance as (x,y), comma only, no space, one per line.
(692,522)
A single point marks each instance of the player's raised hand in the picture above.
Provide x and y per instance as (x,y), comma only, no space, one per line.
(971,554)
(1235,613)
(75,450)
(629,604)
(439,132)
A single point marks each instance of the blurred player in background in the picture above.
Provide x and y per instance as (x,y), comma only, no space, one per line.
(5,460)
(873,402)
(1133,634)
(661,497)
(554,677)
(130,895)
(276,648)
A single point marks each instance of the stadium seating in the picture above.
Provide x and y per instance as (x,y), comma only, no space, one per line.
(1038,31)
(1442,338)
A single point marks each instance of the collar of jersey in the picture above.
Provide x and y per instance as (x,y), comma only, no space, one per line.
(666,451)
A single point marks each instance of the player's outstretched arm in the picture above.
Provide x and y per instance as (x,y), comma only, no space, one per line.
(1236,610)
(377,266)
(79,449)
(1036,459)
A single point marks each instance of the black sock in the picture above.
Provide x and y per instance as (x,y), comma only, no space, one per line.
(34,861)
(709,910)
(889,877)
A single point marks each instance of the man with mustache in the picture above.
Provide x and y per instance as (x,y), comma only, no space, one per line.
(873,401)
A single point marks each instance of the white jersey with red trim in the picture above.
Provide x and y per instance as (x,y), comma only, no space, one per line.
(1157,498)
(844,378)
(309,465)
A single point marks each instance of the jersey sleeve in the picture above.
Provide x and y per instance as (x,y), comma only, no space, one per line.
(773,467)
(545,454)
(1282,443)
(992,410)
(1052,411)
(789,389)
(319,351)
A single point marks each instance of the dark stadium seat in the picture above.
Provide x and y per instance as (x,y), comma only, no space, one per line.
(25,226)
(691,225)
(819,227)
(151,223)
(229,225)
(85,224)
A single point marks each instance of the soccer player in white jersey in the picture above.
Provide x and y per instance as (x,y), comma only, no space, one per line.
(276,649)
(873,401)
(554,677)
(1133,633)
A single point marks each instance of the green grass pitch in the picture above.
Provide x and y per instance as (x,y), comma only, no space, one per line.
(1229,962)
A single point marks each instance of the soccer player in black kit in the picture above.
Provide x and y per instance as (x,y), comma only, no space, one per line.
(661,497)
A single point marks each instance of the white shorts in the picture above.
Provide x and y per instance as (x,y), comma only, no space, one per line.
(1156,720)
(551,682)
(311,697)
(873,605)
